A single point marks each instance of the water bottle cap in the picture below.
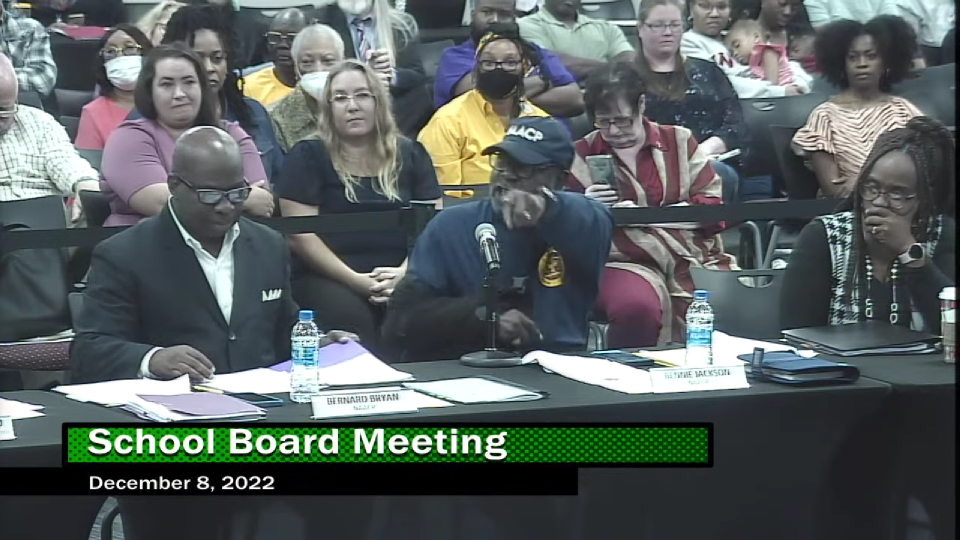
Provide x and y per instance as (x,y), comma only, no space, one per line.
(306,314)
(699,294)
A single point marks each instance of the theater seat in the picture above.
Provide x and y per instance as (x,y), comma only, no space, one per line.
(745,303)
(430,54)
(799,183)
(35,356)
(96,207)
(759,114)
(30,99)
(580,126)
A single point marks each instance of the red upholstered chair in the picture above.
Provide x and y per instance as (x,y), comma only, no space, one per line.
(35,356)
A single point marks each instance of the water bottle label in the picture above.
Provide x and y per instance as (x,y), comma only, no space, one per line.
(699,335)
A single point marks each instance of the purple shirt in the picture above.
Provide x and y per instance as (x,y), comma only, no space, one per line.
(456,62)
(139,153)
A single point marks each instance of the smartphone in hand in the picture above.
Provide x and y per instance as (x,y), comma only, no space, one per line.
(601,171)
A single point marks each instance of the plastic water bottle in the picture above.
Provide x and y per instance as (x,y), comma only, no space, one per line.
(699,331)
(304,372)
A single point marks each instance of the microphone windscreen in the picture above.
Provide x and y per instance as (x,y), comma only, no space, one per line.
(484,229)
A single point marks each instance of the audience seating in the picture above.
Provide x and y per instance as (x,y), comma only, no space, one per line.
(580,126)
(75,60)
(939,102)
(759,113)
(96,207)
(929,79)
(94,157)
(745,303)
(30,99)
(430,54)
(70,104)
(610,10)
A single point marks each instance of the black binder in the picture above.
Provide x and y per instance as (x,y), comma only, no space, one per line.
(870,337)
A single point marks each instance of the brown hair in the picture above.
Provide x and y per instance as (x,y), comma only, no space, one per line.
(674,87)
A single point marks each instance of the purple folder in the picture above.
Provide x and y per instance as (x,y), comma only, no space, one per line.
(204,404)
(331,355)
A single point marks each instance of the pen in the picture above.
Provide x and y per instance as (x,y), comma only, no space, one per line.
(206,389)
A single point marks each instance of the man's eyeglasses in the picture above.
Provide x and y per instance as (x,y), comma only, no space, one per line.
(661,28)
(361,98)
(490,65)
(276,38)
(621,122)
(6,114)
(512,168)
(213,197)
(110,54)
(896,197)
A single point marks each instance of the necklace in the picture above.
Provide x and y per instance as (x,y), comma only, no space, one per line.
(894,306)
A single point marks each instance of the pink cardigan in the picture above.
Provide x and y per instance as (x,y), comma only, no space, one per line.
(139,153)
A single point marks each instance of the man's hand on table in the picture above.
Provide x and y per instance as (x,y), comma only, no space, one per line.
(173,362)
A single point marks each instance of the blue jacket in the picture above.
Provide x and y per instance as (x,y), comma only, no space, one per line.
(550,272)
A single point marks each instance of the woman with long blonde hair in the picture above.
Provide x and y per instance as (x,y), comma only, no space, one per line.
(357,162)
(154,22)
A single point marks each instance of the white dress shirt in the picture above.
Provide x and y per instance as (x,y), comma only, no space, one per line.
(824,11)
(218,271)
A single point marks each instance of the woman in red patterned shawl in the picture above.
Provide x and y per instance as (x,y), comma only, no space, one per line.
(647,286)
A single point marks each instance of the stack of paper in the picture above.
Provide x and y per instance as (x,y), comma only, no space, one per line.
(474,390)
(595,371)
(192,407)
(121,392)
(726,350)
(258,381)
(18,410)
(349,364)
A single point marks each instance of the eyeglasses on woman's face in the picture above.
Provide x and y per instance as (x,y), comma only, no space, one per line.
(115,52)
(508,65)
(621,122)
(662,27)
(896,197)
(362,98)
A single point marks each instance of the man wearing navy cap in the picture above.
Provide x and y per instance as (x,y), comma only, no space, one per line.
(553,247)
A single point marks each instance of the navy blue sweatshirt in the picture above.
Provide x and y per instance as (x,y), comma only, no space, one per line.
(551,272)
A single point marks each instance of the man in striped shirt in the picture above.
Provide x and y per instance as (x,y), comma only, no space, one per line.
(36,157)
(26,43)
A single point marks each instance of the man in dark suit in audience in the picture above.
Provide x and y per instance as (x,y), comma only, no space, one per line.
(195,290)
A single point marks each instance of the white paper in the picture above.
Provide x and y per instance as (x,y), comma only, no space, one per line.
(114,393)
(595,371)
(360,370)
(423,401)
(258,381)
(474,390)
(19,410)
(726,349)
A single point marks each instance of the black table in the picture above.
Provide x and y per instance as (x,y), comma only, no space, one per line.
(922,413)
(773,447)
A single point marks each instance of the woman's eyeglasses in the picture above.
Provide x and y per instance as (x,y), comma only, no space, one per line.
(490,65)
(896,197)
(110,54)
(212,197)
(605,123)
(361,98)
(660,28)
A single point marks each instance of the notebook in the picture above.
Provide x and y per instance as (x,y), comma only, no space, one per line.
(861,339)
(789,368)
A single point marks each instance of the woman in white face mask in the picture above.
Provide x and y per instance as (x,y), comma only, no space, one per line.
(118,66)
(316,50)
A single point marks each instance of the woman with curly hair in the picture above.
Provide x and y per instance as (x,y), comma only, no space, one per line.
(864,61)
(208,31)
(888,257)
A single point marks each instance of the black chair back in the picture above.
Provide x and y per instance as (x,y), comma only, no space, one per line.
(39,213)
(929,79)
(93,157)
(609,10)
(759,114)
(72,125)
(75,59)
(430,54)
(580,126)
(431,14)
(30,99)
(799,181)
(96,207)
(745,303)
(71,102)
(935,102)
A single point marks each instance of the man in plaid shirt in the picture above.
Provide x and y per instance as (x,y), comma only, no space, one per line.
(25,42)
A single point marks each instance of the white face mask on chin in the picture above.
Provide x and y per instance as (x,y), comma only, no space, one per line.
(122,72)
(314,83)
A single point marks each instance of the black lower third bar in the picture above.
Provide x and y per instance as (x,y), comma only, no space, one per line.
(294,479)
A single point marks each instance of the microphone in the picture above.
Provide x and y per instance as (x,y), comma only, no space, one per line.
(486,235)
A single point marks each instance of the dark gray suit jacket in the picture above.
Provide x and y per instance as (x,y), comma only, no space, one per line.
(146,289)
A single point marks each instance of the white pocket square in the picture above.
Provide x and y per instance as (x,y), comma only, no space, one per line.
(273,294)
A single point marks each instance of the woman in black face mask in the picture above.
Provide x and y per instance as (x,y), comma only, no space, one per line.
(461,129)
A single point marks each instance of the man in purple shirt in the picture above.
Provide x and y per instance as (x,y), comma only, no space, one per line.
(550,86)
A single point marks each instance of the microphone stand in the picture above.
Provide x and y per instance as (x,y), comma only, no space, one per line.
(490,356)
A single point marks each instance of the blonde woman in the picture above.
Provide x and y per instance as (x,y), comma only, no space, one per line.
(357,162)
(154,23)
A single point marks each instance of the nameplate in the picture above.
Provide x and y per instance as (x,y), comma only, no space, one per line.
(366,402)
(696,379)
(6,429)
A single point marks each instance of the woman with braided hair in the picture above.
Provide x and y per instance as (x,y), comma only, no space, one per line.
(210,33)
(888,255)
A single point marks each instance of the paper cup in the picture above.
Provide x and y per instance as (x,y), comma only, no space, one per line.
(948,317)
